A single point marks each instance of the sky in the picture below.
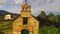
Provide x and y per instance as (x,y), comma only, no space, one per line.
(37,6)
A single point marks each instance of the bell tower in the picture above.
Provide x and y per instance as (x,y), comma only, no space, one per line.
(26,6)
(26,9)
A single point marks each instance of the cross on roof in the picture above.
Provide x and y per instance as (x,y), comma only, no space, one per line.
(26,1)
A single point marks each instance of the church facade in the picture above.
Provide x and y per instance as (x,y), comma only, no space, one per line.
(26,22)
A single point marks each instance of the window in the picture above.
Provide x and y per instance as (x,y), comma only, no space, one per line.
(25,21)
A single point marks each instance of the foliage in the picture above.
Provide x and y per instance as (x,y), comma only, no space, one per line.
(43,15)
(51,26)
(48,30)
(6,25)
(53,18)
(58,18)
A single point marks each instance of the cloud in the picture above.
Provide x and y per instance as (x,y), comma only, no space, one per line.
(42,2)
(14,9)
(49,1)
(18,1)
(2,2)
(37,5)
(45,5)
(55,6)
(11,2)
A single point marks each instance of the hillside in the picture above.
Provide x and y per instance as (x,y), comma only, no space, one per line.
(3,12)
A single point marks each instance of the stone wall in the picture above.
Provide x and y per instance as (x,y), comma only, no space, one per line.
(8,33)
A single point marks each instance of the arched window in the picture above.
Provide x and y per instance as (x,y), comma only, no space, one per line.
(25,21)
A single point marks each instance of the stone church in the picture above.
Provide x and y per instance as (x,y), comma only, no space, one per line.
(26,23)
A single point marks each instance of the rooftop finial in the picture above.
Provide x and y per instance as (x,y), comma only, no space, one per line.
(26,1)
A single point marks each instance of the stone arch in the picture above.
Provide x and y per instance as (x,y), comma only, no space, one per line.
(24,31)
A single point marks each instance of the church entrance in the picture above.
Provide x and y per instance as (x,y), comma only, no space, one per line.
(24,32)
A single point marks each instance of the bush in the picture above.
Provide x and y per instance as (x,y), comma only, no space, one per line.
(48,30)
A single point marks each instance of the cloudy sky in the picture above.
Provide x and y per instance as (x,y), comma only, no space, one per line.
(36,6)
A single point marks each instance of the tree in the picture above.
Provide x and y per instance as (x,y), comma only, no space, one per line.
(51,14)
(42,18)
(58,18)
(51,17)
(43,15)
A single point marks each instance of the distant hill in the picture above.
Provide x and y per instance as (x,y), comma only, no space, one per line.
(3,12)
